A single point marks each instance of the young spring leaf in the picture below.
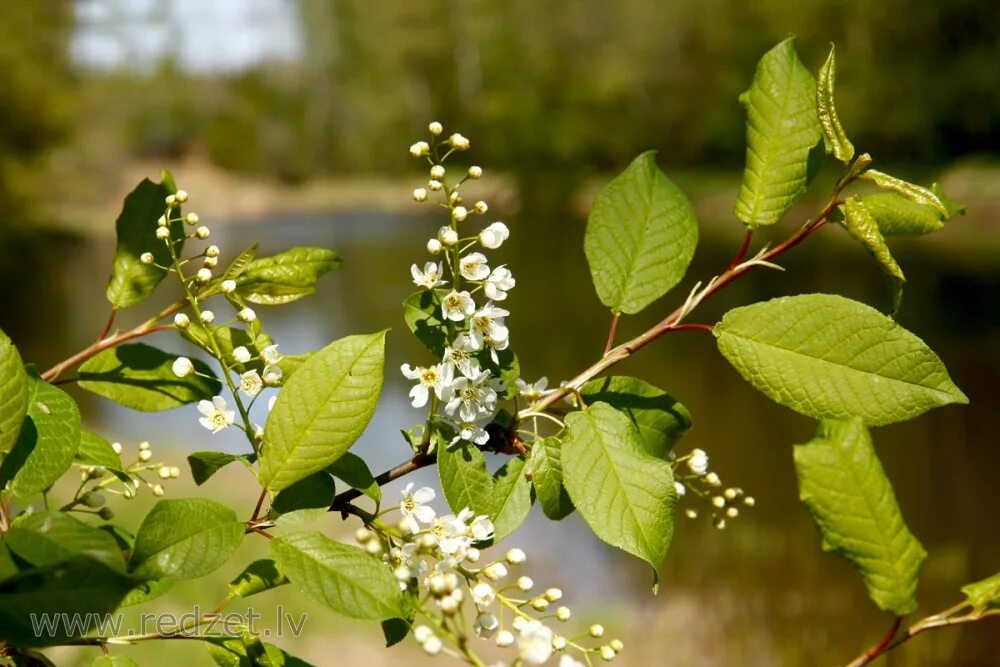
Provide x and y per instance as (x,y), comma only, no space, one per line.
(239,653)
(353,471)
(13,393)
(626,495)
(464,478)
(545,465)
(313,492)
(96,451)
(641,236)
(829,357)
(660,419)
(49,439)
(510,500)
(140,377)
(240,264)
(782,129)
(915,193)
(422,313)
(833,132)
(205,464)
(185,539)
(287,276)
(259,576)
(952,207)
(861,225)
(48,538)
(849,496)
(322,410)
(344,578)
(896,215)
(983,595)
(132,281)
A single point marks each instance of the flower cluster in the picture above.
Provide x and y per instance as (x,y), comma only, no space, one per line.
(464,381)
(438,559)
(692,474)
(97,480)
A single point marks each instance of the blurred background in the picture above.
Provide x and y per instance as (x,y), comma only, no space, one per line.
(289,122)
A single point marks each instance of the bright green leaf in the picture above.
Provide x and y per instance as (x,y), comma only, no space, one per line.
(240,264)
(132,281)
(146,591)
(626,495)
(353,471)
(660,418)
(464,478)
(185,539)
(951,206)
(205,464)
(322,410)
(915,193)
(861,225)
(259,576)
(48,538)
(313,492)
(510,498)
(849,496)
(984,594)
(545,465)
(233,653)
(422,313)
(96,451)
(833,132)
(287,276)
(140,377)
(828,357)
(641,236)
(898,216)
(13,393)
(342,577)
(782,129)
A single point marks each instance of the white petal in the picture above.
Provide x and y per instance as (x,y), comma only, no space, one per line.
(419,394)
(424,513)
(424,495)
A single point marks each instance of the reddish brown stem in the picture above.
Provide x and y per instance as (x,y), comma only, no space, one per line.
(744,249)
(612,331)
(693,327)
(876,650)
(260,503)
(108,324)
(343,500)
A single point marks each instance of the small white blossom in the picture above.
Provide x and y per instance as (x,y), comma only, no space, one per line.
(215,416)
(270,354)
(474,267)
(435,128)
(504,638)
(712,479)
(181,321)
(516,556)
(145,455)
(433,645)
(207,316)
(459,213)
(210,262)
(146,258)
(202,232)
(182,367)
(228,286)
(419,194)
(493,236)
(181,196)
(458,142)
(525,583)
(204,275)
(473,397)
(212,251)
(499,282)
(495,571)
(698,462)
(191,218)
(471,432)
(482,528)
(483,594)
(487,322)
(433,246)
(420,148)
(246,315)
(434,185)
(437,172)
(596,630)
(448,236)
(250,383)
(272,374)
(430,277)
(414,507)
(162,221)
(681,489)
(456,306)
(241,354)
(486,625)
(480,207)
(429,378)
(162,233)
(532,392)
(458,356)
(607,653)
(534,642)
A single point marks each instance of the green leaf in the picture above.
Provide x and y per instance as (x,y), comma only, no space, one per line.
(287,276)
(510,498)
(832,358)
(240,264)
(861,225)
(146,591)
(845,489)
(342,577)
(984,594)
(140,377)
(545,465)
(78,586)
(914,193)
(113,661)
(132,281)
(13,393)
(641,236)
(49,439)
(626,495)
(290,363)
(322,410)
(259,576)
(833,132)
(660,419)
(233,653)
(313,492)
(96,451)
(898,216)
(422,313)
(185,539)
(48,538)
(353,471)
(205,464)
(464,478)
(952,207)
(782,128)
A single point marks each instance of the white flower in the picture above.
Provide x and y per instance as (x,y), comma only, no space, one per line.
(437,378)
(471,432)
(456,306)
(473,266)
(228,286)
(567,661)
(483,594)
(504,638)
(698,462)
(211,262)
(241,355)
(534,642)
(458,142)
(270,354)
(433,645)
(532,392)
(457,356)
(246,315)
(434,185)
(487,322)
(430,277)
(473,397)
(415,509)
(215,416)
(481,528)
(494,235)
(182,367)
(272,374)
(421,633)
(181,196)
(486,625)
(420,148)
(250,383)
(448,236)
(516,556)
(450,533)
(681,489)
(499,283)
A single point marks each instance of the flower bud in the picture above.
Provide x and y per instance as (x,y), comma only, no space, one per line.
(207,316)
(182,367)
(433,246)
(553,594)
(433,645)
(448,236)
(563,613)
(607,653)
(374,547)
(459,213)
(458,142)
(246,315)
(204,275)
(504,638)
(162,221)
(106,513)
(117,447)
(181,196)
(515,556)
(525,583)
(146,258)
(475,172)
(480,207)
(434,185)
(163,472)
(596,630)
(181,321)
(437,172)
(228,286)
(616,645)
(420,148)
(421,633)
(210,262)
(145,455)
(143,446)
(157,490)
(191,218)
(420,194)
(170,200)
(539,604)
(363,535)
(93,499)
(162,233)
(435,128)
(558,643)
(495,571)
(202,232)
(212,251)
